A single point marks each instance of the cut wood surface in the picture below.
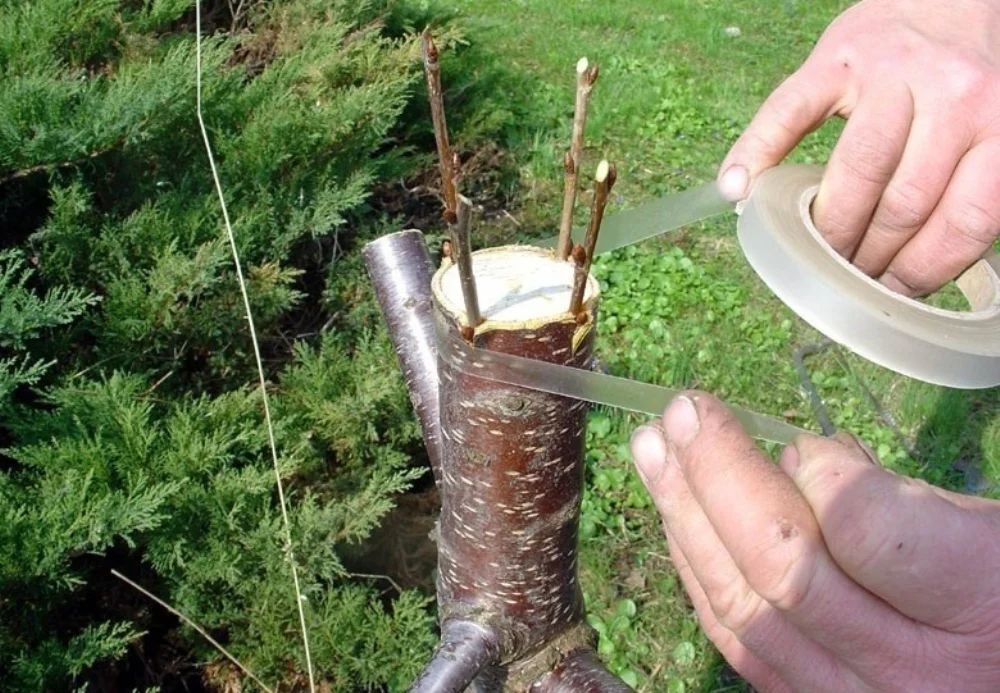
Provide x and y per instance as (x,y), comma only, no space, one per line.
(517,286)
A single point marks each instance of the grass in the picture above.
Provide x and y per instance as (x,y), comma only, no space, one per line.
(675,90)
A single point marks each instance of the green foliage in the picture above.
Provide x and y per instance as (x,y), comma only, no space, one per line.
(24,316)
(141,443)
(55,660)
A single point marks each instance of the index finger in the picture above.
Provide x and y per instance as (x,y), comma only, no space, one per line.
(769,530)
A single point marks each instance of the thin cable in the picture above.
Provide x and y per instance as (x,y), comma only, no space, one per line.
(256,351)
(201,631)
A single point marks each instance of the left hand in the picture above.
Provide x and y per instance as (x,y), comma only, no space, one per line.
(827,573)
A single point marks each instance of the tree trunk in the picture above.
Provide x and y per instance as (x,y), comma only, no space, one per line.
(511,478)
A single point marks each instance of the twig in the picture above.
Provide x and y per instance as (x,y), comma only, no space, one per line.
(446,159)
(884,414)
(586,76)
(371,576)
(56,165)
(604,180)
(201,631)
(815,399)
(159,382)
(461,250)
(579,275)
(569,200)
(511,217)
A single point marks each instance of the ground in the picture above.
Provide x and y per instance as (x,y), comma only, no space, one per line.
(679,79)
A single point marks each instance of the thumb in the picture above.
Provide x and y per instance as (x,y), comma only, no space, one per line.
(931,558)
(796,108)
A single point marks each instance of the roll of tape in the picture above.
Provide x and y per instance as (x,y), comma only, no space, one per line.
(952,348)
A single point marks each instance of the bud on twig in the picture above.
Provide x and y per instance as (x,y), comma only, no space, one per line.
(586,76)
(604,180)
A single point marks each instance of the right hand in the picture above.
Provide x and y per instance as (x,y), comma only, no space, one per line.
(911,193)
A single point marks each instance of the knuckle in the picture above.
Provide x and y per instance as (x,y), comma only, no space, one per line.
(969,78)
(787,571)
(837,47)
(868,156)
(835,227)
(904,207)
(915,281)
(788,107)
(863,528)
(737,607)
(866,548)
(974,223)
(975,657)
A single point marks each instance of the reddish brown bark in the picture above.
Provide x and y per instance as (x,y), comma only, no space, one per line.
(511,479)
(510,495)
(401,269)
(580,671)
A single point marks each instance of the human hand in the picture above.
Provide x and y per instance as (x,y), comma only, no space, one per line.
(911,194)
(826,572)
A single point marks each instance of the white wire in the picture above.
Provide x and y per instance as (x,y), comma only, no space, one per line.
(299,600)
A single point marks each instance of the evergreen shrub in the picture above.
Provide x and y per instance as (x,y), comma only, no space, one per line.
(130,422)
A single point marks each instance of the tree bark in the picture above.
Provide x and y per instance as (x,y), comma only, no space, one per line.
(400,268)
(580,671)
(513,467)
(511,480)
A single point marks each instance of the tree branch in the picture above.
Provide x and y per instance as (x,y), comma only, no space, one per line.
(39,168)
(466,648)
(580,671)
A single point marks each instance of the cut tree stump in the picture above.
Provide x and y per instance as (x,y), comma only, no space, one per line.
(510,481)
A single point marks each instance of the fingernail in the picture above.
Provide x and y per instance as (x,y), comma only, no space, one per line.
(890,281)
(681,422)
(649,451)
(789,460)
(733,183)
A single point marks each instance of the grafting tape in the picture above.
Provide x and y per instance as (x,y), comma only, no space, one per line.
(953,348)
(776,233)
(609,390)
(655,218)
